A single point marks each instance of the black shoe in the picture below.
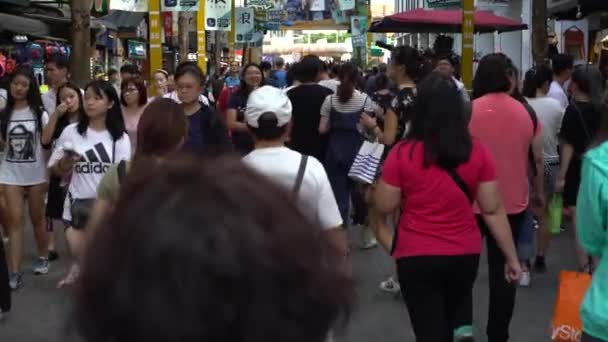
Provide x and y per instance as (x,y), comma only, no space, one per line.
(53,256)
(539,265)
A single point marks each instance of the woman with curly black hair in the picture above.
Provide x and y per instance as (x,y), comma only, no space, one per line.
(192,259)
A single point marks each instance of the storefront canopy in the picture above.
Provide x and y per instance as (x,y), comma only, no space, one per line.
(444,21)
(124,20)
(22,25)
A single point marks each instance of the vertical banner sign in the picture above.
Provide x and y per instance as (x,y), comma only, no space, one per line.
(346,5)
(179,5)
(155,39)
(217,15)
(201,46)
(358,29)
(168,24)
(468,26)
(243,17)
(130,5)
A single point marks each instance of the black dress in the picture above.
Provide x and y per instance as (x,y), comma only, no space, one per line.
(579,127)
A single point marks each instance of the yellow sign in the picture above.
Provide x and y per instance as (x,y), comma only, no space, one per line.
(155,37)
(468,29)
(200,35)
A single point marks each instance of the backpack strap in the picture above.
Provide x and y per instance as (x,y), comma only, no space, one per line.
(122,171)
(298,184)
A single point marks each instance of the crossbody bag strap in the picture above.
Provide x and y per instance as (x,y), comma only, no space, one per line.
(461,184)
(113,150)
(296,187)
(122,171)
(580,116)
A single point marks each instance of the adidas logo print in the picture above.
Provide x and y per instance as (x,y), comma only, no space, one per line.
(94,161)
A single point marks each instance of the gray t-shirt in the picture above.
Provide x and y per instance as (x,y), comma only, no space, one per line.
(23,163)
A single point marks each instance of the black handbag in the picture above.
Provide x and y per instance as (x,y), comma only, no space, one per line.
(81,208)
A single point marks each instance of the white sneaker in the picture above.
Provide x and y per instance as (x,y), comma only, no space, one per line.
(525,279)
(368,240)
(390,285)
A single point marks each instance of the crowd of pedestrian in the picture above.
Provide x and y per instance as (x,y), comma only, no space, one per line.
(219,208)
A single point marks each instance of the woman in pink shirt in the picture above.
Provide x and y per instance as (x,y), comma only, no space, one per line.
(133,97)
(434,175)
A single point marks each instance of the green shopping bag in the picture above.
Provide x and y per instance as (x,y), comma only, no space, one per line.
(555,213)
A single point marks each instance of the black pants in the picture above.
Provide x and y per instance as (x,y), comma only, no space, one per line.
(5,291)
(359,206)
(438,293)
(587,338)
(502,293)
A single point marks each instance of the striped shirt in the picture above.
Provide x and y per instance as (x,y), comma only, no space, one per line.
(355,104)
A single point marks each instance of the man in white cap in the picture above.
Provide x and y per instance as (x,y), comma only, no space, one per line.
(268,117)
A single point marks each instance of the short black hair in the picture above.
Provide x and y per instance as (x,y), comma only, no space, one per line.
(535,78)
(268,128)
(265,66)
(129,69)
(492,75)
(191,68)
(562,62)
(59,61)
(194,259)
(309,68)
(112,72)
(381,81)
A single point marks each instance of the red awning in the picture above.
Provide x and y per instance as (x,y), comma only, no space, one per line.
(443,21)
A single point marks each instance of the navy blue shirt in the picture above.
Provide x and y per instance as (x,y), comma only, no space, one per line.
(195,135)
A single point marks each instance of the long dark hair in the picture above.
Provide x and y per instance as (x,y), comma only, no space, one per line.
(589,80)
(244,89)
(441,125)
(349,78)
(492,75)
(34,100)
(64,121)
(536,78)
(114,121)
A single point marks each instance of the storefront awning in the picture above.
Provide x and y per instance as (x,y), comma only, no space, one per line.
(24,3)
(125,20)
(22,25)
(575,9)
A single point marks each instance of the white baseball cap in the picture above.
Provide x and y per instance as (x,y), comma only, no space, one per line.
(268,99)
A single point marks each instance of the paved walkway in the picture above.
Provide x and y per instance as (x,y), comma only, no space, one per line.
(40,310)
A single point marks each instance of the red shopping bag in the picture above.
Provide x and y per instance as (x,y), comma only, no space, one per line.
(567,325)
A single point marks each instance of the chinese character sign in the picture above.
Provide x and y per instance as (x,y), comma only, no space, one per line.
(129,5)
(243,17)
(179,5)
(217,15)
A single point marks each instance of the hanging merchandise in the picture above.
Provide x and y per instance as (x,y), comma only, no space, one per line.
(129,5)
(179,5)
(243,17)
(339,17)
(317,5)
(274,17)
(217,15)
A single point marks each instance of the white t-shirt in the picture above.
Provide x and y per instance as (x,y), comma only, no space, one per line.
(557,92)
(550,114)
(316,198)
(23,163)
(3,98)
(96,151)
(173,96)
(49,100)
(331,84)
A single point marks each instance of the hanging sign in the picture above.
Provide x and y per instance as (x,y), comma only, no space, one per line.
(243,17)
(217,15)
(168,24)
(346,5)
(317,5)
(358,29)
(129,5)
(179,5)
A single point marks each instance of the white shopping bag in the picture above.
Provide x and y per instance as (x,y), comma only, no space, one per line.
(367,161)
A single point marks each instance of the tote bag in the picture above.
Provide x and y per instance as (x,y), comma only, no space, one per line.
(567,325)
(367,161)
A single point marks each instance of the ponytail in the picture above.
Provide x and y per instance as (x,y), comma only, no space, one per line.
(348,76)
